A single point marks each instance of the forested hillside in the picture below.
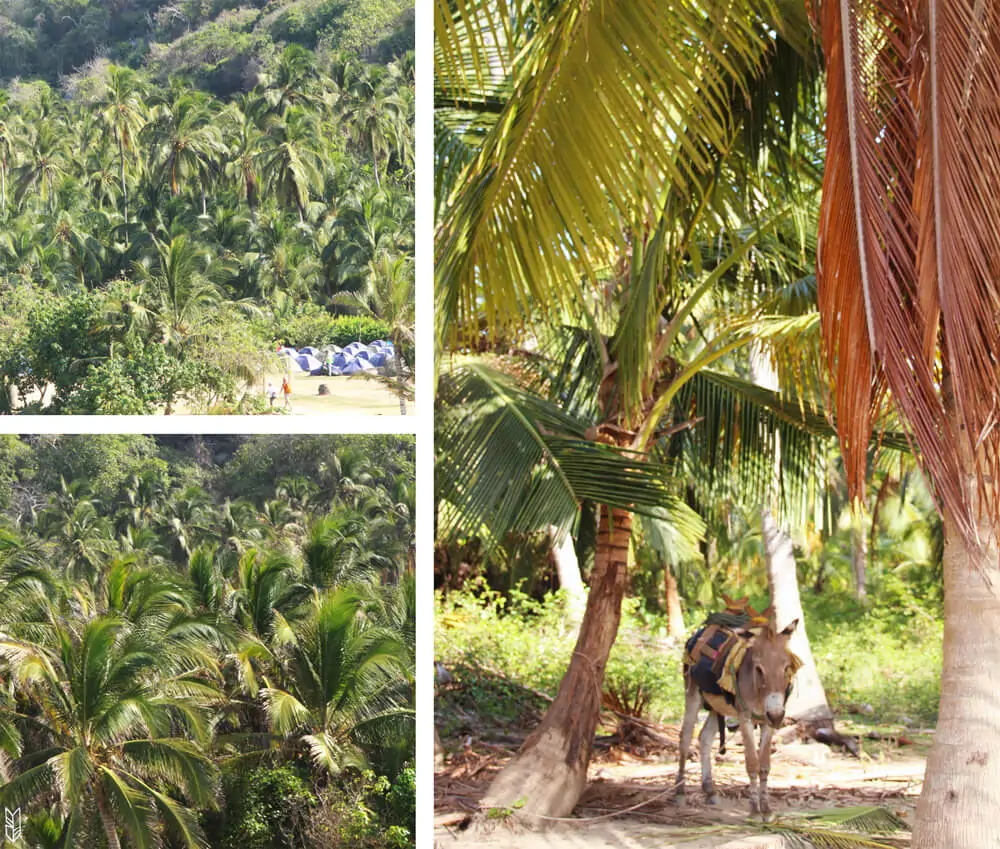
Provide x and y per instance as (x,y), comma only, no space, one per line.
(207,641)
(185,185)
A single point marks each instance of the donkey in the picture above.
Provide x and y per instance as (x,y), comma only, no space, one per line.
(763,682)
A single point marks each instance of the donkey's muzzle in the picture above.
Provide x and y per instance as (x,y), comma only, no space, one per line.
(775,718)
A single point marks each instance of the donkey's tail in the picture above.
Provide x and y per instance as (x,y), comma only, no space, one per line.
(722,733)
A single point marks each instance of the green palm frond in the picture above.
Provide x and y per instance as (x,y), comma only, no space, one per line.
(869,819)
(515,462)
(612,105)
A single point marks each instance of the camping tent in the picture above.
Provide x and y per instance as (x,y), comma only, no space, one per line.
(342,358)
(377,359)
(308,350)
(357,365)
(307,362)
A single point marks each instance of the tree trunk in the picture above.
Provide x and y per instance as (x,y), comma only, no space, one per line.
(107,819)
(807,702)
(961,795)
(550,772)
(568,572)
(675,616)
(859,558)
(121,159)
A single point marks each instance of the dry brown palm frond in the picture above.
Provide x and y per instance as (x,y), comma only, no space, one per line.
(909,251)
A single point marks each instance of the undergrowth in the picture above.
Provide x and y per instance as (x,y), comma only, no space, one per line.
(505,653)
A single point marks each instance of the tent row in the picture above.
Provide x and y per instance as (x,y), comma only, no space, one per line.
(332,361)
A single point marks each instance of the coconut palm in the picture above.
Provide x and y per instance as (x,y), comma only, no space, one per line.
(346,683)
(122,111)
(110,697)
(905,272)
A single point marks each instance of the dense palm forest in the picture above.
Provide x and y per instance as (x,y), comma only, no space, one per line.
(207,641)
(185,185)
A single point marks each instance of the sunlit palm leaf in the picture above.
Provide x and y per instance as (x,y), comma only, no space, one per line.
(516,462)
(611,102)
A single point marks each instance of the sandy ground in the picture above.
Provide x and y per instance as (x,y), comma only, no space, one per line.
(628,803)
(354,394)
(348,395)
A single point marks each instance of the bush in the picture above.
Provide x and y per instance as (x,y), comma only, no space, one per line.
(362,812)
(499,649)
(312,325)
(265,808)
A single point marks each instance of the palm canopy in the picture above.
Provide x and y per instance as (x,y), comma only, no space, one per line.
(658,89)
(110,697)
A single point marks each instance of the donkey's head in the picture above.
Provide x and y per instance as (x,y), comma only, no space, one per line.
(767,670)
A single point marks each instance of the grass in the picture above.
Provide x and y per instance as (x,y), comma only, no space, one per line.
(877,666)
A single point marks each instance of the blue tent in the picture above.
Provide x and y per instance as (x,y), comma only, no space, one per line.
(358,365)
(342,358)
(308,363)
(363,354)
(307,350)
(377,359)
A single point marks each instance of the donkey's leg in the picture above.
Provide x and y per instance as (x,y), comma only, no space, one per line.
(692,702)
(750,754)
(764,769)
(706,738)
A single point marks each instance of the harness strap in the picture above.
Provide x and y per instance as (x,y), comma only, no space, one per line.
(701,648)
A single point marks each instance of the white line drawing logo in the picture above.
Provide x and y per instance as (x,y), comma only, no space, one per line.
(12,824)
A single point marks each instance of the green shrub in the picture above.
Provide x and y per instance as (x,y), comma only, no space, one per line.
(500,649)
(312,325)
(365,811)
(265,808)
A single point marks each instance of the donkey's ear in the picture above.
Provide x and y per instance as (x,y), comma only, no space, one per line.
(790,628)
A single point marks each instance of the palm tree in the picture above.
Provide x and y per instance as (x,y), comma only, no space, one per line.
(290,161)
(188,142)
(906,277)
(347,683)
(122,111)
(528,219)
(109,698)
(391,300)
(181,288)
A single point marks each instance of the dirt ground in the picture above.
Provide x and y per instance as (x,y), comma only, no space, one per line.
(629,803)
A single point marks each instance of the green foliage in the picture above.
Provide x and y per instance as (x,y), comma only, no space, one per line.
(316,327)
(368,814)
(502,649)
(154,629)
(265,808)
(223,191)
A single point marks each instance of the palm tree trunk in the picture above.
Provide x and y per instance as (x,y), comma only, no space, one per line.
(550,772)
(3,188)
(960,803)
(807,702)
(568,572)
(675,616)
(397,374)
(859,559)
(121,160)
(107,819)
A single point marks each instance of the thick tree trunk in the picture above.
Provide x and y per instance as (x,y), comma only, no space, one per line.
(568,572)
(675,616)
(550,772)
(807,702)
(859,559)
(961,795)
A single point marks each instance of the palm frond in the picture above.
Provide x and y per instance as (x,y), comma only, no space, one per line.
(518,463)
(540,206)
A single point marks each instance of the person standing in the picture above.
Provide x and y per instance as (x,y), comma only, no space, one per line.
(286,390)
(272,394)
